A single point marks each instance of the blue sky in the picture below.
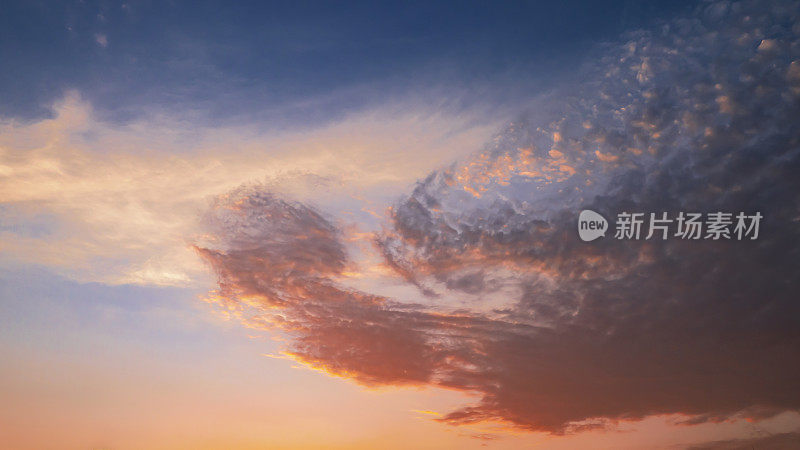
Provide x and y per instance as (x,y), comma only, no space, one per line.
(294,61)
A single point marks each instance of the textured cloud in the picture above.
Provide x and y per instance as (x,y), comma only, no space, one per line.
(698,115)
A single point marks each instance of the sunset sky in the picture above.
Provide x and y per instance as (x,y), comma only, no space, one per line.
(327,225)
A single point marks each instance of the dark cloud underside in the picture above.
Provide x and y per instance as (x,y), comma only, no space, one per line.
(697,115)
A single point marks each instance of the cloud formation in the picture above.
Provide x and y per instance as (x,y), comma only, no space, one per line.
(698,115)
(85,197)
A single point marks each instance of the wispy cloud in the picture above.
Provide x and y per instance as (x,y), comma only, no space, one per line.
(101,40)
(123,199)
(780,441)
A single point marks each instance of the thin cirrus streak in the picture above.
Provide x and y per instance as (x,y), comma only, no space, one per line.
(612,330)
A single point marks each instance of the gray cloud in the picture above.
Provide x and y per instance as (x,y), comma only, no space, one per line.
(698,115)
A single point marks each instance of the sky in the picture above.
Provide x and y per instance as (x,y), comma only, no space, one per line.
(324,225)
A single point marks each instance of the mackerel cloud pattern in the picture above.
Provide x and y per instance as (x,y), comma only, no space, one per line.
(699,114)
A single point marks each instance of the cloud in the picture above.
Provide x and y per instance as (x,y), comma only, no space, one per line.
(697,115)
(781,441)
(121,200)
(101,40)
